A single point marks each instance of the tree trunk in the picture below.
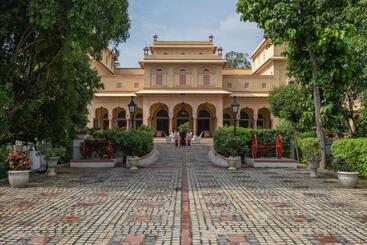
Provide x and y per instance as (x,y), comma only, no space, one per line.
(317,102)
(295,142)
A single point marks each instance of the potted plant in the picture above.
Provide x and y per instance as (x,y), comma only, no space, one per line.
(52,155)
(311,152)
(236,148)
(183,129)
(132,162)
(346,176)
(18,168)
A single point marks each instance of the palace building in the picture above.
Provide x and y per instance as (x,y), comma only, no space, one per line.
(187,81)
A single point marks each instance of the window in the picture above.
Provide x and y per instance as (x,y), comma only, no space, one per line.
(159,79)
(263,85)
(136,84)
(206,79)
(118,85)
(246,85)
(182,79)
(229,85)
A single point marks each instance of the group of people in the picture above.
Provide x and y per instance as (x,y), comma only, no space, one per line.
(176,137)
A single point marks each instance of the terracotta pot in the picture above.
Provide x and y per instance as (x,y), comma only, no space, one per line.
(133,162)
(232,162)
(348,179)
(18,178)
(52,163)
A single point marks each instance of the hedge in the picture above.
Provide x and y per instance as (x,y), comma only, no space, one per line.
(135,142)
(355,151)
(223,135)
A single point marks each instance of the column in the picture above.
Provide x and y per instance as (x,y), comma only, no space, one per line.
(146,112)
(238,117)
(170,124)
(194,126)
(127,121)
(255,117)
(219,113)
(109,120)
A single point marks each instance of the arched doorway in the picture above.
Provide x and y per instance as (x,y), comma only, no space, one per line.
(182,114)
(227,117)
(138,120)
(119,117)
(203,121)
(206,119)
(101,120)
(182,117)
(162,121)
(159,121)
(263,118)
(246,118)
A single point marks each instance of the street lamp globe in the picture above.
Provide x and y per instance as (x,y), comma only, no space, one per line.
(132,105)
(235,106)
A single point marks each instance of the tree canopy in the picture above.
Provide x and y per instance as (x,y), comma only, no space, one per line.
(46,46)
(237,60)
(317,33)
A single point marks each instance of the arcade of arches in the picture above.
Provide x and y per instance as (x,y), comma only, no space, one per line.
(164,118)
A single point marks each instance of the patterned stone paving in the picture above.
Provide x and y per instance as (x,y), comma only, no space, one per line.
(118,206)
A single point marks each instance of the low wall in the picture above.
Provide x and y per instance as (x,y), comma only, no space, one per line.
(220,160)
(149,159)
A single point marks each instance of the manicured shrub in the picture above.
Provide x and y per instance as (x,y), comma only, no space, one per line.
(308,148)
(223,135)
(133,142)
(355,152)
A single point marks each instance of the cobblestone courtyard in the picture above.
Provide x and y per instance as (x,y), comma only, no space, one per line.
(183,193)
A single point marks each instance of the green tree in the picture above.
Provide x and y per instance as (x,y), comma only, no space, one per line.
(237,60)
(291,103)
(45,49)
(316,33)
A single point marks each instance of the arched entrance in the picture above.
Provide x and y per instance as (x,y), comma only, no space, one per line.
(119,117)
(138,118)
(246,118)
(162,121)
(182,117)
(101,120)
(182,114)
(159,121)
(227,117)
(263,118)
(203,121)
(206,119)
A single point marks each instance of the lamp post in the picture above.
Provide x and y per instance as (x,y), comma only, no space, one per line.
(132,108)
(235,107)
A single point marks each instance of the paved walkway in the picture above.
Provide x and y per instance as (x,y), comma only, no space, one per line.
(182,199)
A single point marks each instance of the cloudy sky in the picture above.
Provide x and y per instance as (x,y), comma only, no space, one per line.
(186,20)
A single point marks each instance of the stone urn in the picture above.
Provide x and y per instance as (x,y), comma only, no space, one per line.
(132,162)
(313,165)
(232,163)
(52,162)
(18,178)
(348,179)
